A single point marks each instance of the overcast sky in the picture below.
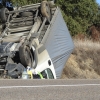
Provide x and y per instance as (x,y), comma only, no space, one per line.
(98,1)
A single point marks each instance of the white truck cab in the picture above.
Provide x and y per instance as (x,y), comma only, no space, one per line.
(44,63)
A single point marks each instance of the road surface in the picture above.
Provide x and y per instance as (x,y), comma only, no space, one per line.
(49,89)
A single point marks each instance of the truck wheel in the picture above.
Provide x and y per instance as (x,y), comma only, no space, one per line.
(45,10)
(3,15)
(25,56)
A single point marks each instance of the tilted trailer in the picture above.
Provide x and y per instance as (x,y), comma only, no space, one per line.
(35,40)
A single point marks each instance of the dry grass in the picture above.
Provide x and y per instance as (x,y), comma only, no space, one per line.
(87,44)
(84,61)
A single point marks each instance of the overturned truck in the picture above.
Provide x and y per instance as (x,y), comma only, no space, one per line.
(34,42)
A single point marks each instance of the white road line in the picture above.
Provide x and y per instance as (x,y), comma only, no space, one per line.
(41,86)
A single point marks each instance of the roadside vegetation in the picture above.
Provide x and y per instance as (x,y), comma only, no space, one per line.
(84,62)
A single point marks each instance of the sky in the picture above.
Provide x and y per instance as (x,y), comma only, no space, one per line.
(98,1)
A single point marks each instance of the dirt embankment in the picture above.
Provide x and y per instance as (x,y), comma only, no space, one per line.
(84,62)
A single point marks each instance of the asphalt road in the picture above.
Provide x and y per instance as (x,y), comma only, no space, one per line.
(49,89)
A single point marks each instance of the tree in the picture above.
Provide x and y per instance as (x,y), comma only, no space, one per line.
(79,14)
(97,20)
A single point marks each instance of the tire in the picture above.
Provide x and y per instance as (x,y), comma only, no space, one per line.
(26,14)
(25,56)
(45,10)
(3,15)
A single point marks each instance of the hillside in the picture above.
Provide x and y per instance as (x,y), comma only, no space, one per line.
(84,62)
